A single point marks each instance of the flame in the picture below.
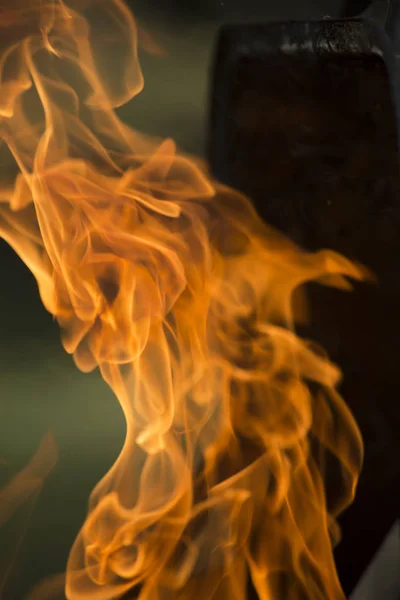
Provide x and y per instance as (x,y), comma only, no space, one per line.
(172,286)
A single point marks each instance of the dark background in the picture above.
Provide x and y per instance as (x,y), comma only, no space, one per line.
(40,387)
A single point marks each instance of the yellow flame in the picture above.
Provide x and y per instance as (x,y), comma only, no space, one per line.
(174,288)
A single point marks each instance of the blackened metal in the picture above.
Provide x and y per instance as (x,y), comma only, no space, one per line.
(304,120)
(353,8)
(392,24)
(378,10)
(298,113)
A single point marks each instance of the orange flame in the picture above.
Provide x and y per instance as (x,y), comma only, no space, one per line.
(174,288)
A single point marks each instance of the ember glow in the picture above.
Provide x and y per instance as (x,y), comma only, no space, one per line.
(172,286)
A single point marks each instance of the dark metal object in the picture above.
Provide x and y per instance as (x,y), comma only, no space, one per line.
(305,121)
(351,8)
(298,112)
(364,8)
(383,12)
(392,24)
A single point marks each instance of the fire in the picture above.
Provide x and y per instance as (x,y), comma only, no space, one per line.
(172,286)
